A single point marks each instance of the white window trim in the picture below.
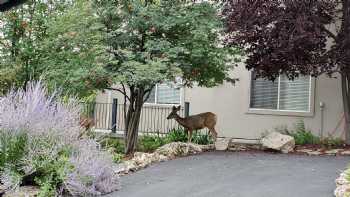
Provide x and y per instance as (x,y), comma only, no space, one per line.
(280,112)
(166,104)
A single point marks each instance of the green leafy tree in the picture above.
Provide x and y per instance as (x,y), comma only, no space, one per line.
(22,30)
(157,41)
(73,52)
(59,42)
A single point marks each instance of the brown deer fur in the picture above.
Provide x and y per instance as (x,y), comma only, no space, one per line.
(195,122)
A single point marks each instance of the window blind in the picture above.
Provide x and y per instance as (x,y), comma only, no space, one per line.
(164,94)
(283,94)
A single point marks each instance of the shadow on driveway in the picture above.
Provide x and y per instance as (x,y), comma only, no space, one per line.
(244,174)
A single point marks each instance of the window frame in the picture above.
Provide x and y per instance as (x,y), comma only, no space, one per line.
(166,104)
(282,112)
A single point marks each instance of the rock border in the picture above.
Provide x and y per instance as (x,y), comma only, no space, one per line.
(164,153)
(342,186)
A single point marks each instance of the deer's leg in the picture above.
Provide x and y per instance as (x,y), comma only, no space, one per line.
(213,132)
(189,135)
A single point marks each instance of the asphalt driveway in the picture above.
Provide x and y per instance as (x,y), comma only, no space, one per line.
(227,174)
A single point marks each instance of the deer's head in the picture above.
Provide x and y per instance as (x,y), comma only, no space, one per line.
(173,113)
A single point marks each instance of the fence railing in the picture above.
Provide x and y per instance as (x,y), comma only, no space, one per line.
(110,116)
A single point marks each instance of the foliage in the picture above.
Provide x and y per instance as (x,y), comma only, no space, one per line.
(93,171)
(117,157)
(305,137)
(302,136)
(152,42)
(40,145)
(203,139)
(332,142)
(58,42)
(149,143)
(12,149)
(177,135)
(112,142)
(286,37)
(22,31)
(73,52)
(293,38)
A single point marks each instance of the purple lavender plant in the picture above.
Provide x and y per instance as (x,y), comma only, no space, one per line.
(37,113)
(94,172)
(52,126)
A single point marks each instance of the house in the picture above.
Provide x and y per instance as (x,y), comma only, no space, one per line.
(251,107)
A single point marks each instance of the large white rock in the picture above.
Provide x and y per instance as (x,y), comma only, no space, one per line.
(176,149)
(222,143)
(343,186)
(278,141)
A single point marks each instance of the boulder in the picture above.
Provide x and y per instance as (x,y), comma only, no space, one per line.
(176,149)
(24,191)
(222,143)
(2,189)
(279,142)
(237,147)
(342,191)
(208,147)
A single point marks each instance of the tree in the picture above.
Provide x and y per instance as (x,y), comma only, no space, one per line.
(293,37)
(73,52)
(59,42)
(22,30)
(157,41)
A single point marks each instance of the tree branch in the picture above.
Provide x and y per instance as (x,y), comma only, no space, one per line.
(148,93)
(121,91)
(330,34)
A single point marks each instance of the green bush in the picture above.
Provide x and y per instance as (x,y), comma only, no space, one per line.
(303,136)
(332,142)
(117,157)
(46,171)
(177,135)
(117,144)
(203,139)
(12,149)
(149,143)
(51,173)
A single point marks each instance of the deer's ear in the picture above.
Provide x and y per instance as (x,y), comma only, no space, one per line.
(178,108)
(174,108)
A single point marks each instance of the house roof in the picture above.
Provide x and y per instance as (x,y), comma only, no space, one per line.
(8,4)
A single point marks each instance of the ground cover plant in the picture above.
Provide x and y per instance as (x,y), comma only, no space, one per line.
(305,137)
(41,145)
(150,142)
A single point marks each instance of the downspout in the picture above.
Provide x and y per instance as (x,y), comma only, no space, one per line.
(322,106)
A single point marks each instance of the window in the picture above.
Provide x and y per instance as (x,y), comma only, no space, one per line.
(282,94)
(164,94)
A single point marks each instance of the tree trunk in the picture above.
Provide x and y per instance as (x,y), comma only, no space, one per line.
(343,43)
(345,77)
(132,120)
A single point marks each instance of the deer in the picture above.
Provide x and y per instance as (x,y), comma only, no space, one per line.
(195,122)
(86,123)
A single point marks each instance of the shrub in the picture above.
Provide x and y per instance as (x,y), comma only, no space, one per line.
(332,142)
(114,143)
(202,139)
(148,143)
(40,145)
(177,135)
(93,171)
(303,136)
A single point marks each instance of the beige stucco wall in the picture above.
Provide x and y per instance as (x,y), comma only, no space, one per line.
(231,104)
